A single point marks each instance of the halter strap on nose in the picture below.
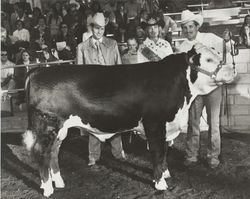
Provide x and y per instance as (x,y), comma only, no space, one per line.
(205,72)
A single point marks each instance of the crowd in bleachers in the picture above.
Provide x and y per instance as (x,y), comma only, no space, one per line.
(34,29)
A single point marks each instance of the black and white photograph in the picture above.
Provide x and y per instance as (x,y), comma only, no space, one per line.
(125,99)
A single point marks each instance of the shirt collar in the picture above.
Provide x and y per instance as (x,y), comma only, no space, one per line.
(95,40)
(149,41)
(197,38)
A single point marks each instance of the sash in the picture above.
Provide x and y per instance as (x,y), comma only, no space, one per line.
(149,54)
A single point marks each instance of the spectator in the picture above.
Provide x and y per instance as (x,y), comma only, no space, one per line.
(69,17)
(5,37)
(47,55)
(108,5)
(144,5)
(154,48)
(132,8)
(170,26)
(59,8)
(120,23)
(245,32)
(13,17)
(67,50)
(7,75)
(95,7)
(7,7)
(25,6)
(140,35)
(102,51)
(129,56)
(121,34)
(153,6)
(143,19)
(40,35)
(220,4)
(20,74)
(53,20)
(36,15)
(77,27)
(111,26)
(19,14)
(5,22)
(21,34)
(190,24)
(120,15)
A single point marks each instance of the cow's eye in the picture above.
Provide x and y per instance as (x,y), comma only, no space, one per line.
(209,60)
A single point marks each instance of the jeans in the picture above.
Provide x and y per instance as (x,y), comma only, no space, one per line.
(95,147)
(212,102)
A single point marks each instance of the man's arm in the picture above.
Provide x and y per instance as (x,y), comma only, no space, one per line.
(118,57)
(79,55)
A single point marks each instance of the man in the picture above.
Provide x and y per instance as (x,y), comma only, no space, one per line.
(19,14)
(21,34)
(102,51)
(7,81)
(98,45)
(130,55)
(153,48)
(190,25)
(25,6)
(132,8)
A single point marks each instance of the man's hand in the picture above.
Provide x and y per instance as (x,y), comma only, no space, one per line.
(226,35)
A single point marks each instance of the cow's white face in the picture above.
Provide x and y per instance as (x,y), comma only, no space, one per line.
(210,72)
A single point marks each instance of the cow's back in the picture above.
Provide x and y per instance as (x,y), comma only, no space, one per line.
(105,96)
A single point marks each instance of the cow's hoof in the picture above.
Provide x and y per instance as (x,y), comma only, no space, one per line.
(161,185)
(47,188)
(166,174)
(47,193)
(57,178)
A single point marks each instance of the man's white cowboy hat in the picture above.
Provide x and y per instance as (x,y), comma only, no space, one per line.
(99,19)
(187,16)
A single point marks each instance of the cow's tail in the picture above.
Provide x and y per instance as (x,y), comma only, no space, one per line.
(29,139)
(40,146)
(43,147)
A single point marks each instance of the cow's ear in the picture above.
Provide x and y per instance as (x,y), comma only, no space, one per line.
(196,59)
(191,52)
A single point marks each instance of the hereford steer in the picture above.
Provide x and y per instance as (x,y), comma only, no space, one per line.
(113,99)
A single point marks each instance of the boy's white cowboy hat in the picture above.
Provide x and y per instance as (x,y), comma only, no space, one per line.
(187,16)
(99,19)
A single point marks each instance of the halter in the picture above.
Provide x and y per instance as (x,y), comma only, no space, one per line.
(212,75)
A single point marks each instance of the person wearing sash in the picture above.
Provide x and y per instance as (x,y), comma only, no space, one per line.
(154,48)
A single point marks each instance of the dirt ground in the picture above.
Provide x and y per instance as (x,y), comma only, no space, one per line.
(114,179)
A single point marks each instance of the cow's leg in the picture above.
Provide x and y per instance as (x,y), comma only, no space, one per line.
(55,170)
(155,132)
(54,166)
(42,153)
